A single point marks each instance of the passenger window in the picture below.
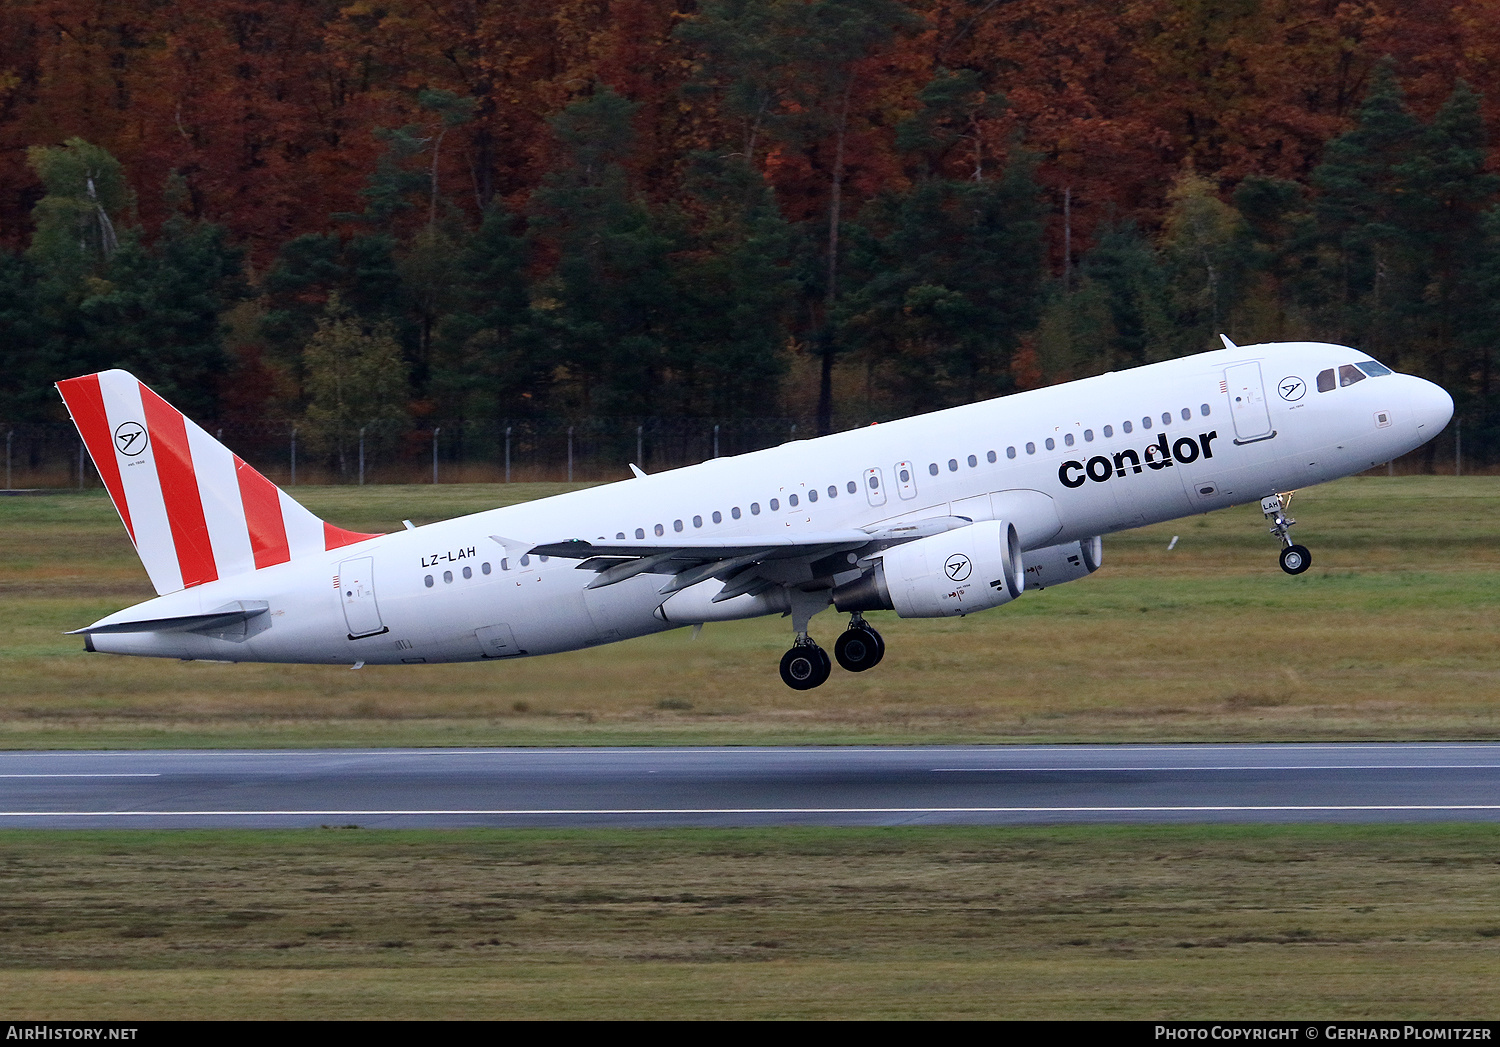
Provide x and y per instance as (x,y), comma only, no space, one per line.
(1088,436)
(1068,439)
(1125,426)
(697,521)
(1109,431)
(933,469)
(718,516)
(677,525)
(874,482)
(1146,422)
(1325,380)
(485,567)
(990,457)
(427,581)
(775,504)
(1187,414)
(1166,418)
(735,512)
(505,564)
(853,487)
(1051,443)
(755,508)
(660,530)
(620,537)
(447,576)
(525,559)
(973,461)
(833,490)
(791,501)
(1373,369)
(1349,374)
(1030,448)
(905,476)
(639,533)
(812,495)
(1010,452)
(468,572)
(953,465)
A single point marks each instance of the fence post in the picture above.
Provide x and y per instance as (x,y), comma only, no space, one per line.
(640,455)
(570,454)
(716,441)
(294,456)
(507,454)
(80,466)
(1458,448)
(361,456)
(436,430)
(8,438)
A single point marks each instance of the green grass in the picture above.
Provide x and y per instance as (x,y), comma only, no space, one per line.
(1118,922)
(1391,635)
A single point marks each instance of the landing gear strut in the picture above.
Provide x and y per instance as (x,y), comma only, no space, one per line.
(1294,558)
(860,647)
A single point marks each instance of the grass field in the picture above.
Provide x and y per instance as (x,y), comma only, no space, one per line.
(1392,634)
(1124,922)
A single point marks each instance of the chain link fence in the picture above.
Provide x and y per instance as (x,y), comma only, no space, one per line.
(50,454)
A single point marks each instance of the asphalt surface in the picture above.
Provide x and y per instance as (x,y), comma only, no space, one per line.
(751,786)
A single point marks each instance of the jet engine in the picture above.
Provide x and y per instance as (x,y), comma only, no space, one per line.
(954,573)
(1063,563)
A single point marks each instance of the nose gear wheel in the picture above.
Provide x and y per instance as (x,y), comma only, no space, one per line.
(1294,558)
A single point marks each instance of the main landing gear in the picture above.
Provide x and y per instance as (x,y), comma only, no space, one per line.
(807,665)
(1294,558)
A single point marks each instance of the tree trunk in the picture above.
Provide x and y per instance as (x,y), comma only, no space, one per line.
(827,342)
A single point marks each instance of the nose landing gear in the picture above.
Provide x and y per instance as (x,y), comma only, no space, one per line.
(1294,558)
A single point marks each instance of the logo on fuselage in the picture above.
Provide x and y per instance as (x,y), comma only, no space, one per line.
(1292,388)
(131,438)
(1159,455)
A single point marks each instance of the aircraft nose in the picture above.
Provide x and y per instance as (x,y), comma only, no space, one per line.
(1431,406)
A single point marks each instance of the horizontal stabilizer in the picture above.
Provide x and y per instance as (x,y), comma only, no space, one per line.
(230,614)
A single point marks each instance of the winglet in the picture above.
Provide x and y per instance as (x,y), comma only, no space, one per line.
(512,546)
(639,474)
(1227,343)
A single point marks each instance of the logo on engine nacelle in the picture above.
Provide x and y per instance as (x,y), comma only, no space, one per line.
(958,567)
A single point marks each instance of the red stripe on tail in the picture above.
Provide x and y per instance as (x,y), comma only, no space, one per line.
(337,537)
(179,490)
(263,519)
(86,404)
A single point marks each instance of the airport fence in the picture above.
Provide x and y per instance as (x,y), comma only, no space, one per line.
(50,454)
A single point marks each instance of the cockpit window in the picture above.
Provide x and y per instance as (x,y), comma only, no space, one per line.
(1371,368)
(1349,374)
(1325,380)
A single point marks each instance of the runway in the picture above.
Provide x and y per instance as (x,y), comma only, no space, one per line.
(624,787)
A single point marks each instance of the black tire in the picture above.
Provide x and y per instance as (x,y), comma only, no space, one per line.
(859,649)
(1295,559)
(805,667)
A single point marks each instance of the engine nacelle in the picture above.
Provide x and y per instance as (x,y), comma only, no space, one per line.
(1068,562)
(954,573)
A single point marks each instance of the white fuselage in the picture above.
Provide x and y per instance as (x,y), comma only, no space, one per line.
(1066,455)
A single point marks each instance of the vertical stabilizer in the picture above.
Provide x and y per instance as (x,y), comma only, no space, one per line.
(194,510)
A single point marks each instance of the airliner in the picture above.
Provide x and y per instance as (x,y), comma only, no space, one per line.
(933,516)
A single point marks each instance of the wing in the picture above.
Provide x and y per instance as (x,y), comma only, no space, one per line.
(746,564)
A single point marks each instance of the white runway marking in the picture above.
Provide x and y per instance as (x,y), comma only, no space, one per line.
(123,774)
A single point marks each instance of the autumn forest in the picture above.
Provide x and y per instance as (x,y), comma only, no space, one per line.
(652,224)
